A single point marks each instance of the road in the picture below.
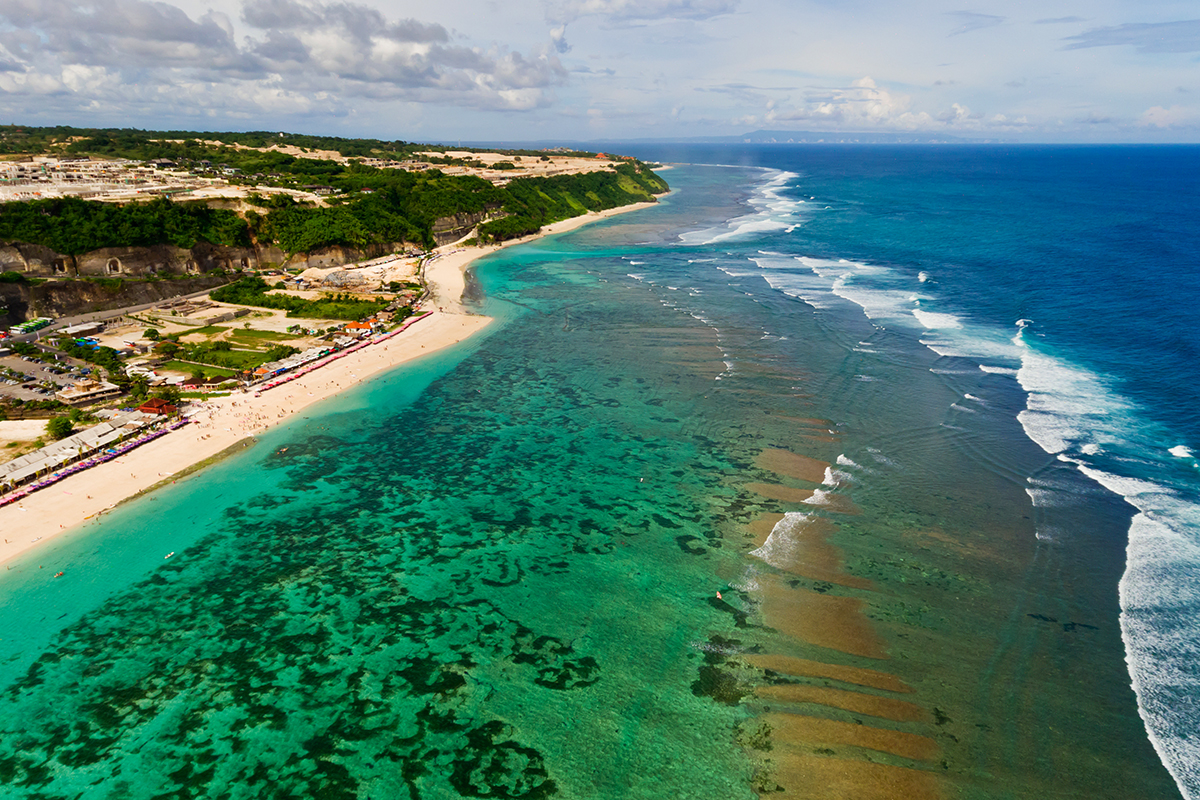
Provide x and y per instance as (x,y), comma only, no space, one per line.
(100,316)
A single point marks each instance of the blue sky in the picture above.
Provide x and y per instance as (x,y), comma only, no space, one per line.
(442,70)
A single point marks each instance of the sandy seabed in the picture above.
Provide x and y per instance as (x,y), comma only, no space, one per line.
(223,422)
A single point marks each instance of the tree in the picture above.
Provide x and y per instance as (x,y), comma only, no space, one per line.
(168,393)
(138,387)
(59,428)
(152,334)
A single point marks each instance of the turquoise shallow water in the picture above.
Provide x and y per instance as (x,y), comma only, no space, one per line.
(494,572)
(492,587)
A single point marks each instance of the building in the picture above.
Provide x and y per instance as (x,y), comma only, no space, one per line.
(198,382)
(156,405)
(84,329)
(88,391)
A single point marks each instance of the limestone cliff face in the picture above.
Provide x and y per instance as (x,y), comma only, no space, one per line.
(36,261)
(339,255)
(64,298)
(125,262)
(452,228)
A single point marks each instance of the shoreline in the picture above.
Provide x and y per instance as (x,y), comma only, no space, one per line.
(223,425)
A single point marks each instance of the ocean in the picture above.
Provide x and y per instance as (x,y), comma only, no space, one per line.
(859,472)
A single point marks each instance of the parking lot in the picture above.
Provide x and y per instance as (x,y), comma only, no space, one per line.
(39,377)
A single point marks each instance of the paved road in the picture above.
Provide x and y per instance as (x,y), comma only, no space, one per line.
(100,316)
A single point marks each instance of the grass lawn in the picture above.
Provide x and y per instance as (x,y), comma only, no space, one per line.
(256,335)
(209,330)
(239,359)
(209,371)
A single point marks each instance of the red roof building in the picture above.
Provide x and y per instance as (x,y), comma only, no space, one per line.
(156,405)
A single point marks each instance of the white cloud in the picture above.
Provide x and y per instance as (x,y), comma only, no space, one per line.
(861,105)
(1173,117)
(296,48)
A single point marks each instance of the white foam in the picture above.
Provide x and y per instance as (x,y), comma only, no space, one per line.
(844,460)
(779,550)
(836,477)
(1072,413)
(772,212)
(887,299)
(819,497)
(1159,594)
(1075,415)
(1066,404)
(801,287)
(934,320)
(970,396)
(1043,498)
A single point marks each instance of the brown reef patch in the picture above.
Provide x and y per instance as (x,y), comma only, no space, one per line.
(803,732)
(804,776)
(857,702)
(785,462)
(803,667)
(777,491)
(826,620)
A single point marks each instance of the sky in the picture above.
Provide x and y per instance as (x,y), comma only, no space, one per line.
(580,70)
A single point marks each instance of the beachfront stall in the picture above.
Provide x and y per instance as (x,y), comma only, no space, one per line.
(120,432)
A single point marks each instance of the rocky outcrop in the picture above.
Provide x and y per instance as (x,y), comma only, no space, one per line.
(37,261)
(34,260)
(339,255)
(456,226)
(64,298)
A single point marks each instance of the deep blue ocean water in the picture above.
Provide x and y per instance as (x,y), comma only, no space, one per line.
(1074,270)
(494,572)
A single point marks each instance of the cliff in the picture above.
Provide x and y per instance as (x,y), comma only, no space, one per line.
(64,298)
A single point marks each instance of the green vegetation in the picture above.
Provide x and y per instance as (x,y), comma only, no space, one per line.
(59,428)
(373,205)
(252,291)
(16,406)
(73,226)
(12,277)
(251,337)
(169,393)
(23,348)
(105,357)
(534,202)
(208,371)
